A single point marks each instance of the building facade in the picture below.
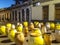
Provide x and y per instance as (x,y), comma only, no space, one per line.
(51,10)
(48,10)
(16,13)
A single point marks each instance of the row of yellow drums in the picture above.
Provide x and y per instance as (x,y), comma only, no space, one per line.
(56,28)
(16,33)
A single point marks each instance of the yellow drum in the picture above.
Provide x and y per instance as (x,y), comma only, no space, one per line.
(47,39)
(36,38)
(25,31)
(48,25)
(57,32)
(9,25)
(31,26)
(20,28)
(12,33)
(36,23)
(52,26)
(3,29)
(19,39)
(25,24)
(58,26)
(8,28)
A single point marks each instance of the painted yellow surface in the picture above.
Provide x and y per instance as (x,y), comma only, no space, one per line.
(50,2)
(52,26)
(3,29)
(36,38)
(25,24)
(11,34)
(19,28)
(8,25)
(57,26)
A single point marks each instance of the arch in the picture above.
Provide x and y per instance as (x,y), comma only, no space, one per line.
(15,15)
(23,15)
(27,14)
(12,15)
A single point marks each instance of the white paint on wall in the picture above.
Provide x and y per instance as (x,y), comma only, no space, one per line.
(37,13)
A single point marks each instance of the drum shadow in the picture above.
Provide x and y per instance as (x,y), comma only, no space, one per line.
(0,34)
(54,41)
(13,44)
(6,41)
(3,36)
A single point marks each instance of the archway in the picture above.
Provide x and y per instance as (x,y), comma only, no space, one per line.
(27,14)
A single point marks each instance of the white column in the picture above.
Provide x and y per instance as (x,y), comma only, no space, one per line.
(1,17)
(17,15)
(51,12)
(30,14)
(25,14)
(4,17)
(14,15)
(11,16)
(21,15)
(37,13)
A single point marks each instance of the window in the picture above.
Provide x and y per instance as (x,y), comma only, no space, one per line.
(27,14)
(45,12)
(57,12)
(23,15)
(3,17)
(25,0)
(15,15)
(12,15)
(7,17)
(19,17)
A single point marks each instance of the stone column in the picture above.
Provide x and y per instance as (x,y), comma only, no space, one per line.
(30,14)
(25,14)
(17,15)
(51,12)
(11,16)
(21,15)
(1,17)
(14,15)
(4,17)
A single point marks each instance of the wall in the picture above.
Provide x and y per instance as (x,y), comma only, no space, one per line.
(37,13)
(51,5)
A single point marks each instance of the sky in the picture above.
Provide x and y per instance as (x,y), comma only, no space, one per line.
(6,3)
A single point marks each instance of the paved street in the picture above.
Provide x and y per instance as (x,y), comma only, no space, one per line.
(5,41)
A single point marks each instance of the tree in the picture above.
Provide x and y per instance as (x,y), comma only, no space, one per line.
(17,1)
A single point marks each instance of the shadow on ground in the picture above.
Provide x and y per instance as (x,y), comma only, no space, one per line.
(13,44)
(55,41)
(2,36)
(6,41)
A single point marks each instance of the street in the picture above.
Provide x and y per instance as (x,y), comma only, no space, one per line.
(4,40)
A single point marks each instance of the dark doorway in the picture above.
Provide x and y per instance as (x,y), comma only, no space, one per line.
(45,12)
(57,12)
(23,18)
(27,14)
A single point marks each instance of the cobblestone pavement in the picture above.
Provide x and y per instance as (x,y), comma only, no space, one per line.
(5,41)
